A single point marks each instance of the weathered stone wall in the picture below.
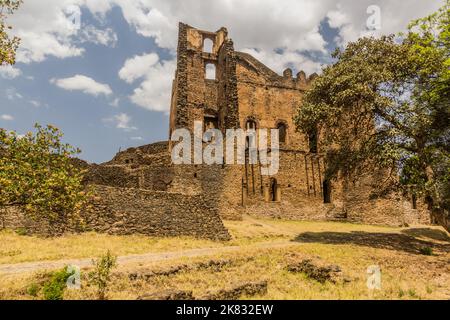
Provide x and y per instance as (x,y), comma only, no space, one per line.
(157,213)
(135,211)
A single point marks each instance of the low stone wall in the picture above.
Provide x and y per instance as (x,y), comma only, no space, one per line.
(123,211)
(158,213)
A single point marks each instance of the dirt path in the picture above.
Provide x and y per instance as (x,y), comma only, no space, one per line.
(17,268)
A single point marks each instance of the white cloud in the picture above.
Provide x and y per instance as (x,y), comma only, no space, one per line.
(84,84)
(46,29)
(265,25)
(285,59)
(9,72)
(137,67)
(154,92)
(137,138)
(106,37)
(121,121)
(350,17)
(6,117)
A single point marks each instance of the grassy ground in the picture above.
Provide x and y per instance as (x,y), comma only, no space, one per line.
(414,261)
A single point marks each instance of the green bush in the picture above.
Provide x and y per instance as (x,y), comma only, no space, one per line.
(54,288)
(22,232)
(101,275)
(426,251)
(33,289)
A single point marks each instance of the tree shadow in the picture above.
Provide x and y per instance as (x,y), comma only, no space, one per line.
(429,233)
(391,241)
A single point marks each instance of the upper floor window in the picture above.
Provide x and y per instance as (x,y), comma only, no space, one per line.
(208,45)
(282,131)
(250,125)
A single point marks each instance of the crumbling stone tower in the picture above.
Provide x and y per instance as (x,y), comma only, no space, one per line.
(204,88)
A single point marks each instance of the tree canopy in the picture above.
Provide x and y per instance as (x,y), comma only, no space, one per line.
(37,174)
(384,103)
(8,45)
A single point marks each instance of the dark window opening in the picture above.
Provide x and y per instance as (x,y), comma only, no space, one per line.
(211,123)
(312,137)
(414,201)
(273,189)
(251,124)
(326,191)
(282,132)
(195,175)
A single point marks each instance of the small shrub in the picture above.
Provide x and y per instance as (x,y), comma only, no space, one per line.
(21,231)
(101,275)
(54,288)
(427,251)
(33,290)
(401,293)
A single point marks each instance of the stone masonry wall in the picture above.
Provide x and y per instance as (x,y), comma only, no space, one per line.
(123,211)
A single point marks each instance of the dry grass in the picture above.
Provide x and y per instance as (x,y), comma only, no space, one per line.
(406,272)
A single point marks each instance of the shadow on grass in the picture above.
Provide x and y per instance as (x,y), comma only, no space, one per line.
(429,233)
(391,241)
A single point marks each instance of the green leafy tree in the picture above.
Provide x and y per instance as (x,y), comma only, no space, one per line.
(8,45)
(384,105)
(37,174)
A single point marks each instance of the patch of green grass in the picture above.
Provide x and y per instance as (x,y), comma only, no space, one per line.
(33,289)
(427,251)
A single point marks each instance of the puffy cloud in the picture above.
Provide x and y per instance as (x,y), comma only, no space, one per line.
(9,72)
(267,25)
(6,117)
(50,28)
(351,17)
(105,37)
(286,59)
(137,67)
(121,121)
(84,84)
(154,92)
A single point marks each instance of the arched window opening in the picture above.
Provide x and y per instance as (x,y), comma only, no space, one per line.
(210,71)
(208,45)
(282,130)
(250,124)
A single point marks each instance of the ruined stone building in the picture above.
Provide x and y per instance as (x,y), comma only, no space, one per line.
(140,190)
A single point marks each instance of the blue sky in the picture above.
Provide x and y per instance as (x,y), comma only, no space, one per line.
(107,84)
